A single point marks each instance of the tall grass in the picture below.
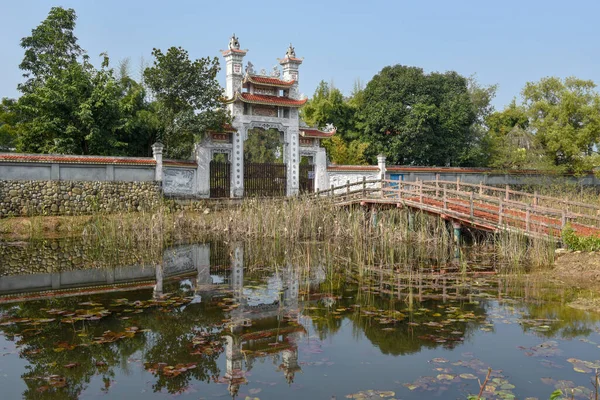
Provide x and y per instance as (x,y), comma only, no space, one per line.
(389,237)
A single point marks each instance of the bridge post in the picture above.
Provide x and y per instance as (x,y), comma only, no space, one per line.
(507,193)
(471,208)
(500,211)
(456,225)
(527,218)
(445,199)
(364,187)
(348,188)
(332,191)
(437,187)
(535,198)
(458,183)
(480,188)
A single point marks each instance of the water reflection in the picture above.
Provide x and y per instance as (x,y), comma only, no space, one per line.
(228,319)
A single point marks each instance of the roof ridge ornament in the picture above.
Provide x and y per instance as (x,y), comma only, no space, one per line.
(234,43)
(291,52)
(250,68)
(276,73)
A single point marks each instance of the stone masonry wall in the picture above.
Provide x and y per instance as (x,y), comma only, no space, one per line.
(27,198)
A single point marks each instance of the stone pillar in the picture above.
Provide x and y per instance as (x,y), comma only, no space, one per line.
(237,165)
(321,175)
(203,158)
(157,153)
(293,162)
(381,165)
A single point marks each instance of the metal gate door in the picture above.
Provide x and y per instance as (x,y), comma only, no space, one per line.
(264,179)
(307,178)
(220,179)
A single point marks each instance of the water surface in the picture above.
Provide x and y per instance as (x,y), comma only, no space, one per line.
(220,320)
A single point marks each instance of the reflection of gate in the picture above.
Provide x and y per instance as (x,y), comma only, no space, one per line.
(220,178)
(307,178)
(264,179)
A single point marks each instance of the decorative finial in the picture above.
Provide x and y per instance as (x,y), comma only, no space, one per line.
(250,68)
(291,52)
(276,73)
(234,44)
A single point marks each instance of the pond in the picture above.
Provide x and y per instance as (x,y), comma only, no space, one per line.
(220,320)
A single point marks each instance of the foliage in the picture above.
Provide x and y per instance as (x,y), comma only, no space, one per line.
(52,47)
(564,116)
(481,101)
(263,146)
(8,124)
(76,111)
(341,152)
(417,118)
(188,97)
(511,145)
(328,106)
(581,243)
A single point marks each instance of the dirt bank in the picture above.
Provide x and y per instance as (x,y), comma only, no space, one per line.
(580,270)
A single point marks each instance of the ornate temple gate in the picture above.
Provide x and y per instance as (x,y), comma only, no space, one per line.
(265,179)
(220,179)
(265,100)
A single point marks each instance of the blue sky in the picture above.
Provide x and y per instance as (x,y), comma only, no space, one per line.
(504,42)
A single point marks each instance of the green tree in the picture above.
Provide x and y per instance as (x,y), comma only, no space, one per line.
(9,120)
(417,118)
(188,97)
(511,145)
(263,146)
(564,116)
(51,47)
(75,111)
(140,126)
(477,154)
(328,106)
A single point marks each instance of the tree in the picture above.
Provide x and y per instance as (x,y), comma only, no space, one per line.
(510,144)
(564,116)
(188,97)
(263,146)
(328,106)
(417,118)
(51,47)
(481,100)
(75,111)
(9,119)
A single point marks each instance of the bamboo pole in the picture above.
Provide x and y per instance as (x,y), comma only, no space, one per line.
(471,212)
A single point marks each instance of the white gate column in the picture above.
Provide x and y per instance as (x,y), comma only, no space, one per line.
(203,158)
(293,163)
(237,165)
(321,175)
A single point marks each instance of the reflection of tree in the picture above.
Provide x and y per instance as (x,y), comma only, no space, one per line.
(365,310)
(49,346)
(173,344)
(562,320)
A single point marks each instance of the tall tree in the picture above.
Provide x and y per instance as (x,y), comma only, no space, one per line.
(328,106)
(564,116)
(417,118)
(9,129)
(477,154)
(51,47)
(75,111)
(188,96)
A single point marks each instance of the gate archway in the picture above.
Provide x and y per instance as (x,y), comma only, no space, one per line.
(265,171)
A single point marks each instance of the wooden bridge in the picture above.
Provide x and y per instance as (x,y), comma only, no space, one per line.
(476,205)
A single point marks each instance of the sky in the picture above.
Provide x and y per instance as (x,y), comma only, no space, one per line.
(507,42)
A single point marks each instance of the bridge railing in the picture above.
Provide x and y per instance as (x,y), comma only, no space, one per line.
(487,206)
(572,211)
(483,210)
